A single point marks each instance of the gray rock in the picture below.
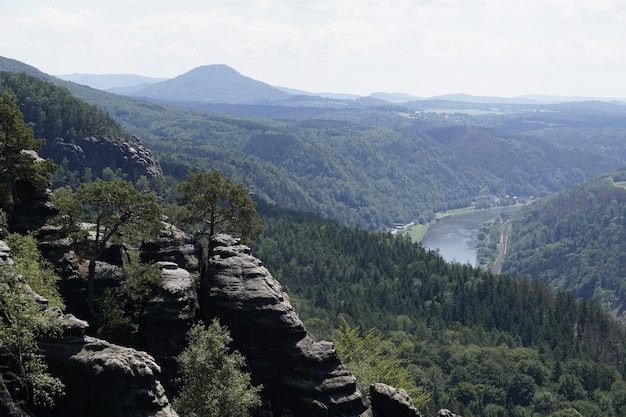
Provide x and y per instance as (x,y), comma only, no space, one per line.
(174,308)
(444,412)
(32,207)
(174,245)
(99,152)
(301,376)
(5,254)
(103,379)
(388,401)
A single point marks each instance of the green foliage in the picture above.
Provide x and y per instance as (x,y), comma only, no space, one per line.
(216,204)
(119,211)
(23,369)
(118,311)
(479,343)
(110,319)
(16,164)
(372,360)
(575,240)
(140,283)
(36,271)
(211,376)
(4,224)
(53,112)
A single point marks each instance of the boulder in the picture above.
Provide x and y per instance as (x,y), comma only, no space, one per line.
(300,375)
(444,412)
(388,401)
(103,379)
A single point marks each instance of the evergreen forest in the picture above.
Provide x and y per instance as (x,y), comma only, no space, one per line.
(574,240)
(534,341)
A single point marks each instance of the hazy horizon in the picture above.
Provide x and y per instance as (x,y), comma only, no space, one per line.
(423,48)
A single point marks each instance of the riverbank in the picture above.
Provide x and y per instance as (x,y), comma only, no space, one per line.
(469,235)
(417,231)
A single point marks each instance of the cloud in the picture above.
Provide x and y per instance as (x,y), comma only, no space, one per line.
(348,45)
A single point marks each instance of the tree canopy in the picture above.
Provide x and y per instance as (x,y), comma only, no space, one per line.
(212,380)
(118,211)
(216,204)
(23,371)
(16,162)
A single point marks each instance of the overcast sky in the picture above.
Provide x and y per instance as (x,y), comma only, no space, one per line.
(421,47)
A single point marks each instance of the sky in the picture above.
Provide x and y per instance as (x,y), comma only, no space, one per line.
(421,47)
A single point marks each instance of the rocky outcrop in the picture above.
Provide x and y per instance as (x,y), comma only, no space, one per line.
(388,401)
(103,379)
(174,308)
(5,254)
(174,245)
(300,375)
(32,207)
(444,412)
(99,152)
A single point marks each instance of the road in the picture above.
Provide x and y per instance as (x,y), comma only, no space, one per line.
(498,264)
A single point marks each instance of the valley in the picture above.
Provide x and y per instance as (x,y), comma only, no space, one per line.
(455,236)
(329,176)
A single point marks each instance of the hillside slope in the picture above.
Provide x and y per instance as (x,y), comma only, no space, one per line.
(212,84)
(481,344)
(370,166)
(576,240)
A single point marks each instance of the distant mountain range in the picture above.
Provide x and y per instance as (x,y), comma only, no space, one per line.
(223,84)
(114,83)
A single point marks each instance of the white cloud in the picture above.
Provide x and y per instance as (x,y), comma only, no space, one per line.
(419,46)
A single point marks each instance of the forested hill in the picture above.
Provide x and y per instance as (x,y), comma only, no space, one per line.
(576,240)
(482,344)
(51,111)
(371,166)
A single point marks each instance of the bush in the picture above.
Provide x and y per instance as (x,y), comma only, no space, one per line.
(212,380)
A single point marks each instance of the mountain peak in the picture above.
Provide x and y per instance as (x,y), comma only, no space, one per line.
(216,83)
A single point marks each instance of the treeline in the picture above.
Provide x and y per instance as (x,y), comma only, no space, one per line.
(52,111)
(371,166)
(483,345)
(575,240)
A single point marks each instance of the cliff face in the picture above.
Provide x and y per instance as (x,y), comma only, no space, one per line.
(99,152)
(301,376)
(174,308)
(100,378)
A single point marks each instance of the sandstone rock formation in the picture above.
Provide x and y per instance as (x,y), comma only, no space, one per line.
(176,246)
(103,379)
(99,152)
(174,308)
(388,401)
(302,376)
(32,207)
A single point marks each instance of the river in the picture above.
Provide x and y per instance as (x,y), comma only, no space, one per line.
(456,236)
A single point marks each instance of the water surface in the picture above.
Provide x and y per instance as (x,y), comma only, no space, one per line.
(456,236)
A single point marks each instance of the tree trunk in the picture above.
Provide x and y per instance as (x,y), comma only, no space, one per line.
(91,284)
